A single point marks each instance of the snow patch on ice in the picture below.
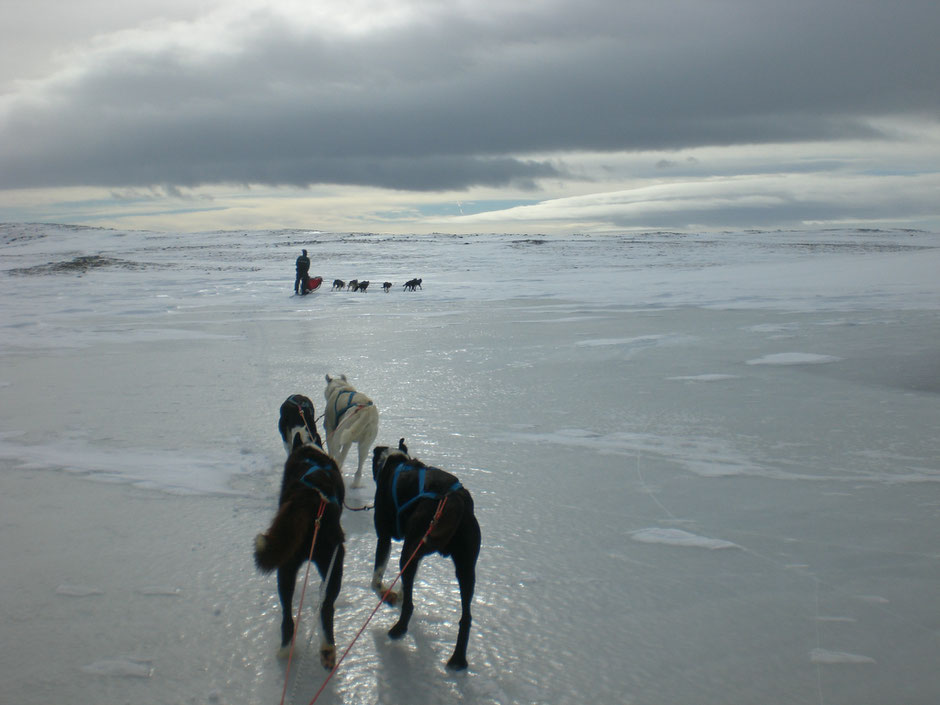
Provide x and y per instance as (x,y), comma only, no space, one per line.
(160,590)
(833,657)
(78,590)
(874,599)
(121,666)
(202,473)
(794,358)
(703,456)
(772,327)
(703,378)
(678,537)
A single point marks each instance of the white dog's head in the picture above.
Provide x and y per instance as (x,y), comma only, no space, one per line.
(335,383)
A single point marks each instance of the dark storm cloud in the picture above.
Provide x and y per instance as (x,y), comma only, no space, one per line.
(449,100)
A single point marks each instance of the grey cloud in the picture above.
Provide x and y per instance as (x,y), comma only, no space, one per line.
(453,100)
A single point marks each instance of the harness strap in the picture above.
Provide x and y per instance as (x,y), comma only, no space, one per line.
(349,404)
(422,493)
(303,406)
(307,481)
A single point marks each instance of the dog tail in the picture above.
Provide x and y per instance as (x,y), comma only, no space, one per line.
(363,424)
(282,541)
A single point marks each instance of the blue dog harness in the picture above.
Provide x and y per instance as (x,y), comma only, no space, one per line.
(349,404)
(422,493)
(307,481)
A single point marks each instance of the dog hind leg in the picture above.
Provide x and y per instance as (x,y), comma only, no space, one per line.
(286,577)
(341,454)
(382,550)
(363,447)
(332,572)
(466,579)
(411,546)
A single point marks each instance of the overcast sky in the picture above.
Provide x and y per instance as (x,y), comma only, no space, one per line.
(484,115)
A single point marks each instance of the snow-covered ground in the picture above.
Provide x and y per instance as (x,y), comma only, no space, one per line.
(706,467)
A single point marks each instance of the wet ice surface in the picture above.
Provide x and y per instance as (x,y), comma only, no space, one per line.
(620,409)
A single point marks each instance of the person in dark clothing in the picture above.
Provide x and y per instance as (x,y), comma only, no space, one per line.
(303,267)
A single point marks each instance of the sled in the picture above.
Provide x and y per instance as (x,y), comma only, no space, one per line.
(312,284)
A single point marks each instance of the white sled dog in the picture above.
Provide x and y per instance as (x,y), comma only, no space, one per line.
(350,417)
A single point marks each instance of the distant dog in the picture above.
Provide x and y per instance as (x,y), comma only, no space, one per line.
(297,423)
(387,286)
(363,285)
(412,284)
(312,483)
(338,284)
(408,497)
(353,285)
(350,417)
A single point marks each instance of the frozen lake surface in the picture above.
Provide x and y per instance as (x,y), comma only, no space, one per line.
(705,466)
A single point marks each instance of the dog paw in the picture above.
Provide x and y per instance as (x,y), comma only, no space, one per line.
(357,483)
(283,652)
(390,597)
(398,631)
(328,657)
(387,595)
(457,663)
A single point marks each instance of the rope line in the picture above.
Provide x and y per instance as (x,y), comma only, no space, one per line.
(437,515)
(293,639)
(363,508)
(320,597)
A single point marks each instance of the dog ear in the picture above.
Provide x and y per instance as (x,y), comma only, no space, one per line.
(402,447)
(328,379)
(343,377)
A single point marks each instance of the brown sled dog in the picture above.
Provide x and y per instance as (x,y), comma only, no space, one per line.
(408,495)
(312,484)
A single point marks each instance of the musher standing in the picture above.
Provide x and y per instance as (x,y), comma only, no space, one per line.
(303,267)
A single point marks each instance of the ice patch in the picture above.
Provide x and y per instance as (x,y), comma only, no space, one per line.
(122,666)
(78,590)
(678,537)
(794,358)
(831,657)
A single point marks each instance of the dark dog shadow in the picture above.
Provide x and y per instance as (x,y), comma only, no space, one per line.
(408,669)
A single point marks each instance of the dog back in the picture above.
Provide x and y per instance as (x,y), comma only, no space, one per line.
(413,493)
(311,478)
(341,397)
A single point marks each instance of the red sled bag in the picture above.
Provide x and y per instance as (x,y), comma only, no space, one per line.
(312,284)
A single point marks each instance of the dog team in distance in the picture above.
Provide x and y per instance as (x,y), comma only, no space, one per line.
(426,508)
(363,285)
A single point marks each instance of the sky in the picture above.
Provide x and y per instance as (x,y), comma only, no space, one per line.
(470,116)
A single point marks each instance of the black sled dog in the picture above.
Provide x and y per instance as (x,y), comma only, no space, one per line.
(430,510)
(298,423)
(311,501)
